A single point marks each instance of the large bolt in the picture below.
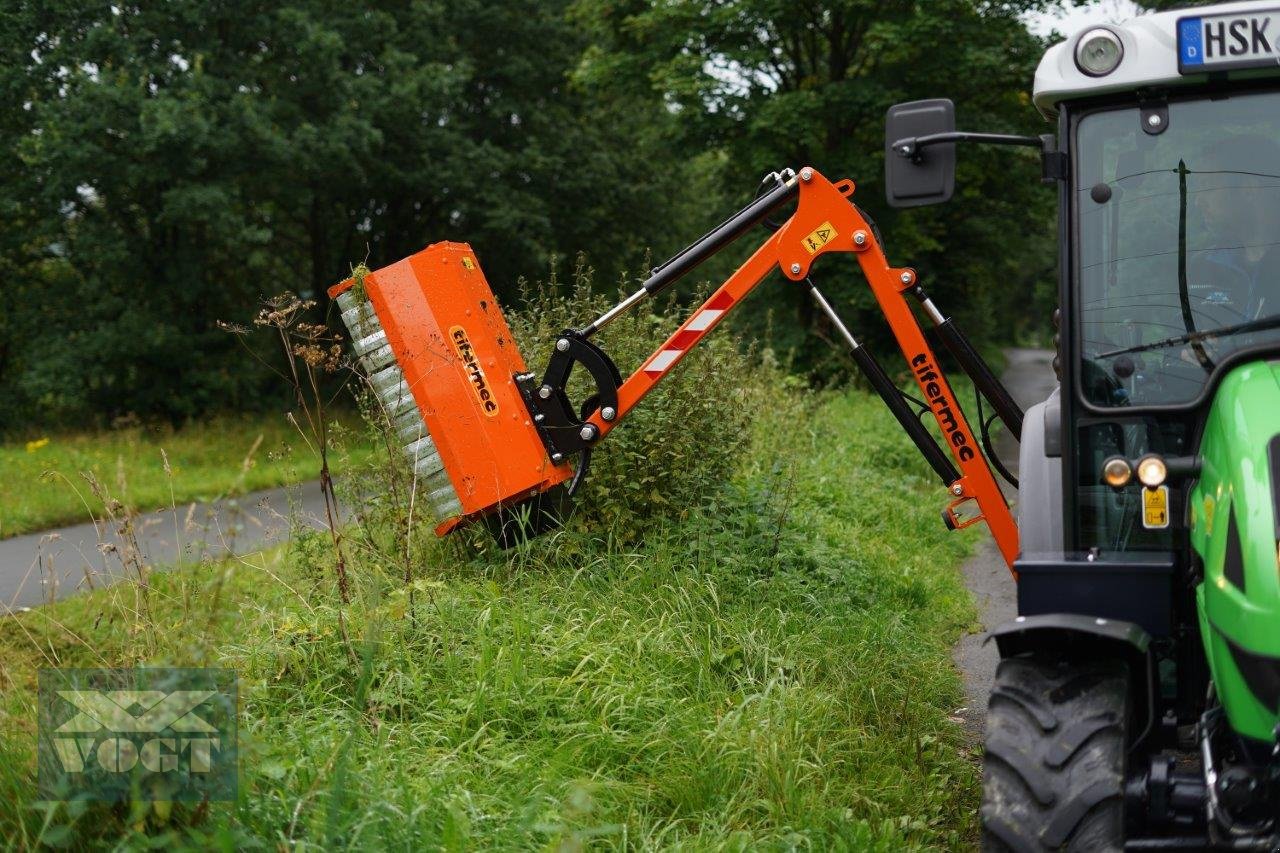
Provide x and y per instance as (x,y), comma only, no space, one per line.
(539,418)
(557,458)
(860,238)
(608,413)
(545,392)
(806,174)
(795,269)
(1153,120)
(588,432)
(957,490)
(906,278)
(562,344)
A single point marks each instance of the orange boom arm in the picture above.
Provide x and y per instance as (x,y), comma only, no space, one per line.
(488,440)
(826,222)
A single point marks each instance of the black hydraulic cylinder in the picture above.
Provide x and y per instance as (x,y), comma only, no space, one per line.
(905,415)
(720,236)
(889,393)
(980,372)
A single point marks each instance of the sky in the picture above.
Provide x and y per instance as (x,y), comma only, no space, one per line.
(1071,19)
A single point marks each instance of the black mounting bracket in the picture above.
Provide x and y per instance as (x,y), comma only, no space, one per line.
(563,430)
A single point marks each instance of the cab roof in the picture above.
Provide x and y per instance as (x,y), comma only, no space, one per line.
(1150,58)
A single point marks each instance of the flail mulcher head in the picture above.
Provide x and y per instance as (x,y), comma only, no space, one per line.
(490,440)
(442,362)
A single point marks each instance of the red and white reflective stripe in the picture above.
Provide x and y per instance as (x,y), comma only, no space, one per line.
(662,361)
(704,318)
(689,334)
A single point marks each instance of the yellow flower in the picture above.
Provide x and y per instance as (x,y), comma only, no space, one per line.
(33,446)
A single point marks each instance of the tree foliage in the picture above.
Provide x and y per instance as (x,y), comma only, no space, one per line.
(168,165)
(173,163)
(774,84)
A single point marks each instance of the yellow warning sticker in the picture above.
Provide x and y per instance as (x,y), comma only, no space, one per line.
(819,237)
(1155,508)
(467,263)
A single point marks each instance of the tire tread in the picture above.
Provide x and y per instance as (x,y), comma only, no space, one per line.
(1053,775)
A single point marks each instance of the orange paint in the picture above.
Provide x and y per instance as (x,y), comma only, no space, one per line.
(827,222)
(459,359)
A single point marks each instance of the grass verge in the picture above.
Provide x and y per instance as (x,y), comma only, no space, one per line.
(44,485)
(769,670)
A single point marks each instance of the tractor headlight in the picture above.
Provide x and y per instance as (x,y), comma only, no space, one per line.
(1152,471)
(1116,472)
(1098,52)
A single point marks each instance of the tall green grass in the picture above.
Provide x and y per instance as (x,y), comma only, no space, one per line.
(145,467)
(772,670)
(740,640)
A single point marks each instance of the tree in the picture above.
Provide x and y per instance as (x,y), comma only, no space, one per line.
(772,83)
(174,163)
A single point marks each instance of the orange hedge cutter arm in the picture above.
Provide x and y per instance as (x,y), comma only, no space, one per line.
(825,221)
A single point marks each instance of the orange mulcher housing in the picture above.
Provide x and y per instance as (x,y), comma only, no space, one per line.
(503,435)
(459,359)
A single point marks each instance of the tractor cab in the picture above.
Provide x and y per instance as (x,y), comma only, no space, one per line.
(1149,500)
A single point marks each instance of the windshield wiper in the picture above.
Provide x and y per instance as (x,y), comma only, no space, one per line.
(1184,296)
(1196,337)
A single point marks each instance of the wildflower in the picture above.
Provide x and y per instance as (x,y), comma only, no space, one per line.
(33,446)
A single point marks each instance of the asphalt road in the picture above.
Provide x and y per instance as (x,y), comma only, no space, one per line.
(41,567)
(1029,377)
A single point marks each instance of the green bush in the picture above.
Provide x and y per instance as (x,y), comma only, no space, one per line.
(674,452)
(679,445)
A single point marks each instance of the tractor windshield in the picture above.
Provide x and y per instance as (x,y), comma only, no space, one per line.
(1177,235)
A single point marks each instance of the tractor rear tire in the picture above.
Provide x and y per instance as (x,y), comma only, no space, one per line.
(1054,768)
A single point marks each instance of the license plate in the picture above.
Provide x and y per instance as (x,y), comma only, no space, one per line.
(1234,40)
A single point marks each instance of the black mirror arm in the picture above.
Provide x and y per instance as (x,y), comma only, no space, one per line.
(1054,160)
(911,145)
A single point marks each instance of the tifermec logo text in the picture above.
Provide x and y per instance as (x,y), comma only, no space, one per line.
(137,734)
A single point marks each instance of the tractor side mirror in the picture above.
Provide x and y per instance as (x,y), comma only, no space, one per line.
(916,175)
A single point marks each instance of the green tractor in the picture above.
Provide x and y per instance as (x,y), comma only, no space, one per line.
(1138,695)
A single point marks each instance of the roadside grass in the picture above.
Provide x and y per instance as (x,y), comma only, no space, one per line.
(43,486)
(768,668)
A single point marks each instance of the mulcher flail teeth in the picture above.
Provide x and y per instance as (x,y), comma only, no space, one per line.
(442,363)
(387,381)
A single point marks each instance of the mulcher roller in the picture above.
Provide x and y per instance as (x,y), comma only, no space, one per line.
(392,392)
(442,362)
